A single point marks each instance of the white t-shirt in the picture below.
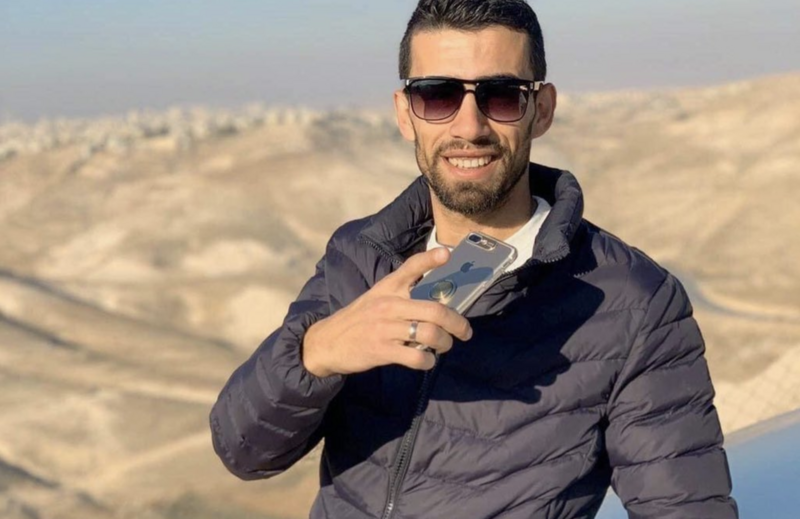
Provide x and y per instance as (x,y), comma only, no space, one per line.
(522,240)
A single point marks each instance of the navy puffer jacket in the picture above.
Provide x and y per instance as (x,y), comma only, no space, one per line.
(585,369)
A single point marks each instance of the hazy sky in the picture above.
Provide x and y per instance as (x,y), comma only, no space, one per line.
(81,57)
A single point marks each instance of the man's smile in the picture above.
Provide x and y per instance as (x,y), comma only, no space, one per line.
(470,167)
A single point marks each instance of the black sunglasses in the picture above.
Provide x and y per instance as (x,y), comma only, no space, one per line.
(504,100)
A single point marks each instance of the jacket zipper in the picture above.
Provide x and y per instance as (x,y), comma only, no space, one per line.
(403,458)
(393,258)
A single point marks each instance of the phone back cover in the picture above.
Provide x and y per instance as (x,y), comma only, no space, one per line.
(470,269)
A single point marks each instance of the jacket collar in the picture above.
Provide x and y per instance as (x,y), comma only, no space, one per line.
(402,223)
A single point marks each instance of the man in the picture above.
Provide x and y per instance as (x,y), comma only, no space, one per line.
(582,367)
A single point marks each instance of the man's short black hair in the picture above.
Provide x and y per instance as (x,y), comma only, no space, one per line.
(474,15)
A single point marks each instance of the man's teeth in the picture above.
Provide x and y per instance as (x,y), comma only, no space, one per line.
(469,163)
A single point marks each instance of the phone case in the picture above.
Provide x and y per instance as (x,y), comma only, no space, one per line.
(473,266)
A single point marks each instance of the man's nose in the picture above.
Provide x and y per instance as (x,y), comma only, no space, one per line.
(469,122)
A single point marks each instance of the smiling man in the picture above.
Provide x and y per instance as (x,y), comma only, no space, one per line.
(581,368)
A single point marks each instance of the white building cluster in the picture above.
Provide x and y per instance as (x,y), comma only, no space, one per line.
(179,128)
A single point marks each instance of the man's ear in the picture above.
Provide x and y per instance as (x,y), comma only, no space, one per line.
(546,101)
(403,114)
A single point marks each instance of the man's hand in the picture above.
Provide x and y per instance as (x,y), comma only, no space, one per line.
(372,330)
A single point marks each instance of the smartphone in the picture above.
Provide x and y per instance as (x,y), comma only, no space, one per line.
(473,266)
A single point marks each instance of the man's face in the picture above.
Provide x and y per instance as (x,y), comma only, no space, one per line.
(446,149)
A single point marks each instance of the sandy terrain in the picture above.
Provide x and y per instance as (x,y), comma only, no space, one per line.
(146,256)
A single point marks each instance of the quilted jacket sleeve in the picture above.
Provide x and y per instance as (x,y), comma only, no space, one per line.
(269,414)
(663,438)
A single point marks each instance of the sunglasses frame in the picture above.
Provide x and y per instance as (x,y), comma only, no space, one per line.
(527,85)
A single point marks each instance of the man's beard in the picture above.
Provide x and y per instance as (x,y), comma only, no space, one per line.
(475,198)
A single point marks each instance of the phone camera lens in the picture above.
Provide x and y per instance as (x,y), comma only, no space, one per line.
(474,238)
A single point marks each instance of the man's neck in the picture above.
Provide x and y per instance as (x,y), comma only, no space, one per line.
(452,227)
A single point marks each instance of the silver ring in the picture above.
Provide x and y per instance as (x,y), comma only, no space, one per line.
(412,331)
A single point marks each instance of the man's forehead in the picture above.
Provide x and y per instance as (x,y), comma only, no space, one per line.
(493,51)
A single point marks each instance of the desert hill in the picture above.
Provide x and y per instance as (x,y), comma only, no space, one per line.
(145,256)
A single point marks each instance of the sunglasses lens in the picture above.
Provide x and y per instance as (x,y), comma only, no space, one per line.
(435,99)
(502,101)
